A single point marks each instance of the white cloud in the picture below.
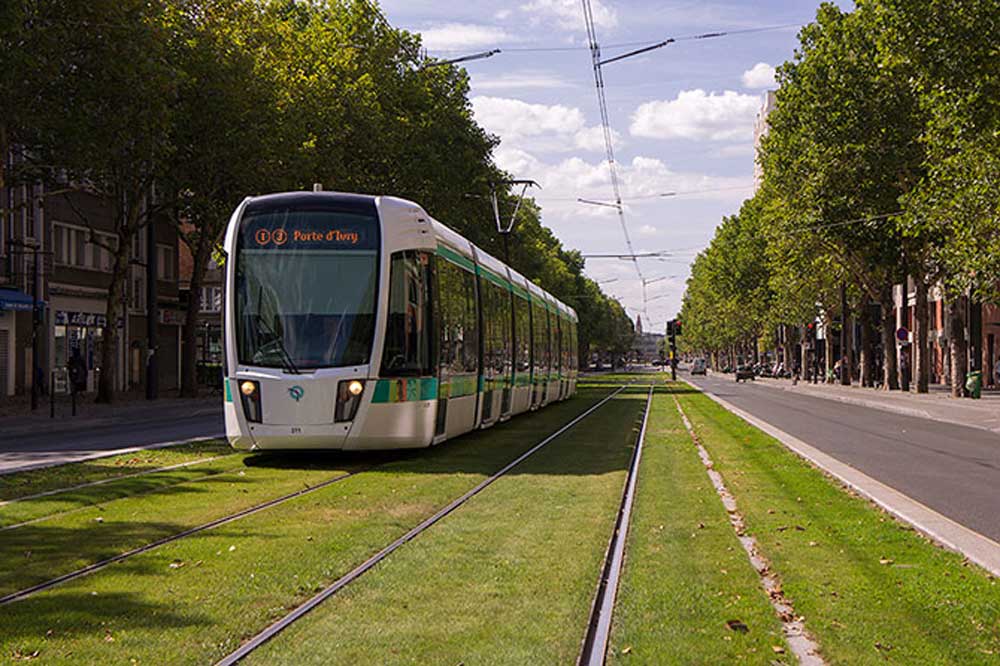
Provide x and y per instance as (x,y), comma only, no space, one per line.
(592,138)
(568,14)
(513,119)
(502,15)
(525,79)
(462,36)
(647,230)
(695,114)
(760,75)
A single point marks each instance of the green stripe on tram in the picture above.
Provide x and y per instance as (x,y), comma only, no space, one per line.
(229,389)
(456,258)
(405,390)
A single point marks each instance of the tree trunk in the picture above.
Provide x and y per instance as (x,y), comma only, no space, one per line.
(828,352)
(921,353)
(804,353)
(200,256)
(112,334)
(958,346)
(846,343)
(867,355)
(890,380)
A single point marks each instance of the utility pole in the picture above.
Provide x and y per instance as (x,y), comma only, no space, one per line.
(673,330)
(152,313)
(36,368)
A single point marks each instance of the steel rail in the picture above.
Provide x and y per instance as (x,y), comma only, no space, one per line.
(277,627)
(595,643)
(97,566)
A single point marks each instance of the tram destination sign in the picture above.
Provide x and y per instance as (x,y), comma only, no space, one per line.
(309,230)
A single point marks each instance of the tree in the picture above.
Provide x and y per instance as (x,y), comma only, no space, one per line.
(841,151)
(103,118)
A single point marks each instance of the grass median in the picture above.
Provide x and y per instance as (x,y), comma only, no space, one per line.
(195,600)
(46,479)
(507,579)
(872,590)
(686,578)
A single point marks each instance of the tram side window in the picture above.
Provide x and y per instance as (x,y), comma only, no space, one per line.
(522,322)
(459,318)
(540,331)
(408,336)
(496,320)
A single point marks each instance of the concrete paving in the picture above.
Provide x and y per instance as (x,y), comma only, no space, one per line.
(953,470)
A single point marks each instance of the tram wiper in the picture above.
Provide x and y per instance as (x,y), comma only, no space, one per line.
(286,358)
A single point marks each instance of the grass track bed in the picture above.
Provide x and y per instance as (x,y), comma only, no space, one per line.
(194,600)
(872,590)
(685,573)
(507,579)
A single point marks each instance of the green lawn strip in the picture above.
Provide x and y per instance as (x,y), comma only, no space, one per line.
(193,601)
(40,551)
(21,484)
(686,574)
(872,590)
(507,579)
(38,508)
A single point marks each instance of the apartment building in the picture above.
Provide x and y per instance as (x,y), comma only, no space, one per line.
(71,236)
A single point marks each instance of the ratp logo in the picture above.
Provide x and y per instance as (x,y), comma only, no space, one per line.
(296,392)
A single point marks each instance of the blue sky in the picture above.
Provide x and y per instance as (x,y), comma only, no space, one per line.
(682,117)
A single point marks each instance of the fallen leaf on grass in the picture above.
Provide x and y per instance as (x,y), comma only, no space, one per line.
(626,649)
(232,548)
(778,649)
(98,520)
(885,560)
(177,564)
(883,647)
(21,656)
(737,625)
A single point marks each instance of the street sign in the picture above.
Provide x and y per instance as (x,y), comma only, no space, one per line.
(902,334)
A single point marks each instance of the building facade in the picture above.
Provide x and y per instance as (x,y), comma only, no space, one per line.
(57,246)
(768,102)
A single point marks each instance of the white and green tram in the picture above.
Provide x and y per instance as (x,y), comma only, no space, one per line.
(360,322)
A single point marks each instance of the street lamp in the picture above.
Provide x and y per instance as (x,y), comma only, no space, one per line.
(504,228)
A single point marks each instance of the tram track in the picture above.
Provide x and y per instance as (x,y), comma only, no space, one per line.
(316,600)
(218,522)
(595,642)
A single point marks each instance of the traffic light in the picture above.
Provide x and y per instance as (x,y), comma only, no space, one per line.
(677,327)
(670,329)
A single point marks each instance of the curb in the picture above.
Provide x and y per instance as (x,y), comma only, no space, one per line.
(938,528)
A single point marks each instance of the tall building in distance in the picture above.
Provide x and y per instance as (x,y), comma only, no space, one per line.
(760,126)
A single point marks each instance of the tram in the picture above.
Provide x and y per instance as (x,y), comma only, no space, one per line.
(360,322)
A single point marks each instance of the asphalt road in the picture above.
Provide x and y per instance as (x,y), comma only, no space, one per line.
(30,449)
(952,469)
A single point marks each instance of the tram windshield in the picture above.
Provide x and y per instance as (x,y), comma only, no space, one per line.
(306,285)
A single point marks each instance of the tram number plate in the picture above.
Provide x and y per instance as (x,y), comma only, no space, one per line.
(296,431)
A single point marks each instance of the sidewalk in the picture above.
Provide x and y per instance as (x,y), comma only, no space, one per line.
(937,404)
(128,411)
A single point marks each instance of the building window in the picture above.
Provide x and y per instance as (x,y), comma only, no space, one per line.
(211,299)
(137,297)
(165,263)
(69,245)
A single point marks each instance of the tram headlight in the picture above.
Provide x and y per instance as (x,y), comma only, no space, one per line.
(349,394)
(250,397)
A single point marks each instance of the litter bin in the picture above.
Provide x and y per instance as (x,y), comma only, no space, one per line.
(974,384)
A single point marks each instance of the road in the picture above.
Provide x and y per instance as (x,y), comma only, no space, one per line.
(952,469)
(26,450)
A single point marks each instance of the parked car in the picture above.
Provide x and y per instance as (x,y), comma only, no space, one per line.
(744,372)
(698,367)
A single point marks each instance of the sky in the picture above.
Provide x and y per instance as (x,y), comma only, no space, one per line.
(682,118)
